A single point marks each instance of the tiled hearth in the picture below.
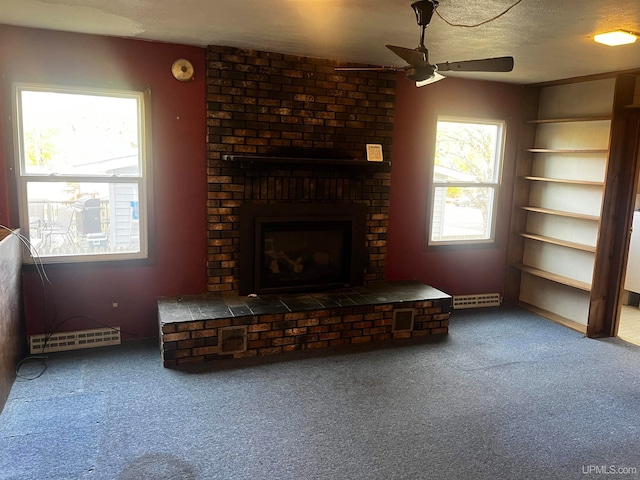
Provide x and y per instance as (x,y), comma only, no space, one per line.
(191,327)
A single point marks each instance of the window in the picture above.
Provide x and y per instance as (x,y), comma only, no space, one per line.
(81,164)
(466,178)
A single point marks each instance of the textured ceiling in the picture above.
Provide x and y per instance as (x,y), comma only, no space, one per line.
(549,39)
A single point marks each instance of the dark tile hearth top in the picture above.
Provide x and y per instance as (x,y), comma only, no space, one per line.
(210,307)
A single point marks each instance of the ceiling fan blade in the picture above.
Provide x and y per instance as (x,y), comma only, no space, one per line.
(435,78)
(411,56)
(499,64)
(366,69)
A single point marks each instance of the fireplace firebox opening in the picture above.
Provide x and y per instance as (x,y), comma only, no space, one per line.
(302,254)
(302,248)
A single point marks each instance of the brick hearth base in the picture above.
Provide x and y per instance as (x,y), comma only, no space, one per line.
(191,327)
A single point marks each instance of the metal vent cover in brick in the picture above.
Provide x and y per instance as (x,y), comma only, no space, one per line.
(403,320)
(59,342)
(475,301)
(232,339)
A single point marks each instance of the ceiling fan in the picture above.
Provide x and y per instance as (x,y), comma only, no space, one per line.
(419,69)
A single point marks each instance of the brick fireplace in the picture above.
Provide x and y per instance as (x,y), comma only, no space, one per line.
(263,104)
(286,143)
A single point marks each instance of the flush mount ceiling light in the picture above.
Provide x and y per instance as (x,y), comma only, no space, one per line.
(618,37)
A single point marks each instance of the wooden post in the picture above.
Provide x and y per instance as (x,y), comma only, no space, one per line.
(617,209)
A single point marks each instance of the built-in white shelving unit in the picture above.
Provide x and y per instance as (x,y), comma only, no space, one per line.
(559,195)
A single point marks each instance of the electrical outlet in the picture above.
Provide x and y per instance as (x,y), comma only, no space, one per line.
(114,304)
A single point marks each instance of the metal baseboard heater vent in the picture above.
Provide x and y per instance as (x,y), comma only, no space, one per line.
(59,342)
(475,301)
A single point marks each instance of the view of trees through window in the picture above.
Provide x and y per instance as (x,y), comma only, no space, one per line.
(78,133)
(81,164)
(466,176)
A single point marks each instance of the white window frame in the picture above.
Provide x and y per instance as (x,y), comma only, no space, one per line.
(143,98)
(494,185)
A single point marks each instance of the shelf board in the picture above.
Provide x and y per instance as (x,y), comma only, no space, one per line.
(554,277)
(563,180)
(562,213)
(554,317)
(556,241)
(342,162)
(571,119)
(567,150)
(633,105)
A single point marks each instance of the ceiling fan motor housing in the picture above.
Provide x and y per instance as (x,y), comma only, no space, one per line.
(419,74)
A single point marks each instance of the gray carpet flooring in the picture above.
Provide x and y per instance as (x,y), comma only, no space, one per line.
(507,395)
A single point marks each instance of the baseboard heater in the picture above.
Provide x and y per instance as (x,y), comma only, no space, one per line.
(476,301)
(59,342)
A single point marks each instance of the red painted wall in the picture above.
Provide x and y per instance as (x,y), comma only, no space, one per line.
(83,293)
(454,269)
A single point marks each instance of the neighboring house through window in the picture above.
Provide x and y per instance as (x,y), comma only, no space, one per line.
(466,178)
(81,164)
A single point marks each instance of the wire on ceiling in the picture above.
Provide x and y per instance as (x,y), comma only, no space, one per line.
(476,24)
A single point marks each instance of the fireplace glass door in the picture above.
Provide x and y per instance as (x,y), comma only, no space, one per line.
(302,254)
